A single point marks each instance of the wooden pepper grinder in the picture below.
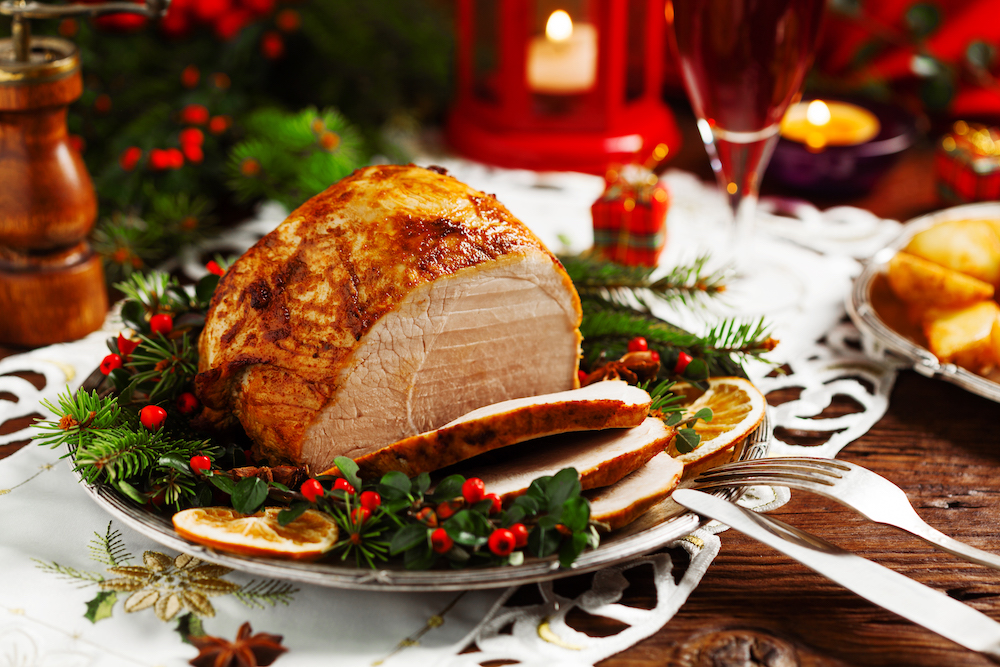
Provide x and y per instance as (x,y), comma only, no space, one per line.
(51,281)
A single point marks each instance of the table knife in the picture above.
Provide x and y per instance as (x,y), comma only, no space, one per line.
(887,588)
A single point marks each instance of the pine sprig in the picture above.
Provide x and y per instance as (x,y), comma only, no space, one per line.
(167,364)
(603,281)
(109,549)
(80,415)
(256,594)
(85,578)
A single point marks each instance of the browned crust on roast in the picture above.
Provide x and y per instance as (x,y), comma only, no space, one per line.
(626,515)
(305,294)
(426,452)
(614,470)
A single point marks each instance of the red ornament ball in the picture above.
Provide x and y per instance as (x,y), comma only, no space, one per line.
(473,490)
(370,500)
(311,489)
(441,541)
(187,403)
(502,542)
(110,363)
(201,463)
(152,416)
(161,323)
(638,344)
(520,532)
(343,485)
(683,359)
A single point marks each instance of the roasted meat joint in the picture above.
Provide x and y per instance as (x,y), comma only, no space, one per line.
(389,305)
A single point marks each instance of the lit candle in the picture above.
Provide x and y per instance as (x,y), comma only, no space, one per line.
(564,60)
(819,124)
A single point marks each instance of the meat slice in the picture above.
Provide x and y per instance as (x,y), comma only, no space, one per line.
(387,306)
(600,457)
(623,502)
(598,406)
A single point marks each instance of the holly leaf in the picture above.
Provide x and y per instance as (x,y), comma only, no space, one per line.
(249,494)
(408,537)
(687,440)
(101,607)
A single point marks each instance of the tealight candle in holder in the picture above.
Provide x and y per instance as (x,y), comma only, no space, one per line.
(837,147)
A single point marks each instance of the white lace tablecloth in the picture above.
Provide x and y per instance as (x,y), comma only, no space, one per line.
(58,548)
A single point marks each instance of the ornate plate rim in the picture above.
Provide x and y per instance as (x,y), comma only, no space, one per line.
(877,336)
(160,530)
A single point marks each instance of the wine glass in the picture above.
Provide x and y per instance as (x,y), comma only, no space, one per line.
(743,63)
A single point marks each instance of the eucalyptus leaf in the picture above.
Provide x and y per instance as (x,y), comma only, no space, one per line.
(249,495)
(176,463)
(448,488)
(421,483)
(419,558)
(564,485)
(687,440)
(395,480)
(571,549)
(526,503)
(543,542)
(468,528)
(289,515)
(705,414)
(575,514)
(223,483)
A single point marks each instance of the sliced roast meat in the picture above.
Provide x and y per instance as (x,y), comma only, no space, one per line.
(386,306)
(598,406)
(623,502)
(600,457)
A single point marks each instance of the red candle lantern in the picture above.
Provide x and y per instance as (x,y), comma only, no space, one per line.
(560,84)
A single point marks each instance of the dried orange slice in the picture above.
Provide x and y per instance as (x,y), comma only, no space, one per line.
(223,528)
(737,407)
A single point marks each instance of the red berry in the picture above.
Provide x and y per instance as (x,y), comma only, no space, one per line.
(683,359)
(110,363)
(427,517)
(582,376)
(152,416)
(192,136)
(343,485)
(208,11)
(231,23)
(654,355)
(370,500)
(190,76)
(520,532)
(159,159)
(311,489)
(129,158)
(361,514)
(201,463)
(176,158)
(76,142)
(441,541)
(258,7)
(161,323)
(213,267)
(187,403)
(502,542)
(288,20)
(473,490)
(272,45)
(194,114)
(176,24)
(447,508)
(219,124)
(193,153)
(638,344)
(496,506)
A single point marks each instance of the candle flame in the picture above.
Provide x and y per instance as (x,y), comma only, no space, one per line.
(818,113)
(559,27)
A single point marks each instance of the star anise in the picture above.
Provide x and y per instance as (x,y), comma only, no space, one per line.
(246,651)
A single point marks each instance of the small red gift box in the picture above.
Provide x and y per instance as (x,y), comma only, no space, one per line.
(967,163)
(630,218)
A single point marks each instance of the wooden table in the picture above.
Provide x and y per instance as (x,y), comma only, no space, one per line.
(938,442)
(756,607)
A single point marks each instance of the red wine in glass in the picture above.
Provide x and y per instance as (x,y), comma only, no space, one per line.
(743,63)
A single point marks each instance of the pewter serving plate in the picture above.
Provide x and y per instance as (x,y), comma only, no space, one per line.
(661,525)
(879,339)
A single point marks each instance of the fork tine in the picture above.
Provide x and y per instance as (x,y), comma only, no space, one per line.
(807,468)
(777,477)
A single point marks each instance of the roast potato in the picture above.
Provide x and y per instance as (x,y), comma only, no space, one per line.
(971,247)
(963,336)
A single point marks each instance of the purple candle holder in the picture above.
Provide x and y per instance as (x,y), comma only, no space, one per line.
(844,170)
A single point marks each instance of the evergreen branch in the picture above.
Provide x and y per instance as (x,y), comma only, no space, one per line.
(169,364)
(272,592)
(149,289)
(81,414)
(62,571)
(108,549)
(600,280)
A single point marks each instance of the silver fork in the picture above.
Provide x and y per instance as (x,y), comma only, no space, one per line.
(867,493)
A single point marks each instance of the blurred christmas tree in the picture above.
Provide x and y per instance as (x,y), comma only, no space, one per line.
(192,119)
